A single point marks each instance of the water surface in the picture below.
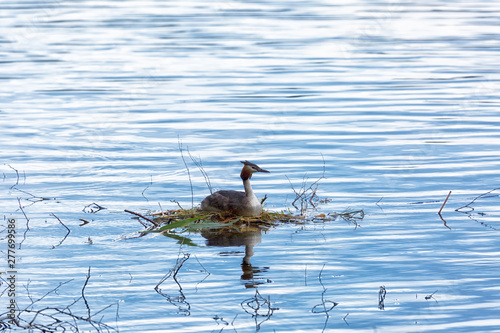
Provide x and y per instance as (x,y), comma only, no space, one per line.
(396,101)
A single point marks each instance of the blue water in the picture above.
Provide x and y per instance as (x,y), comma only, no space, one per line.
(396,101)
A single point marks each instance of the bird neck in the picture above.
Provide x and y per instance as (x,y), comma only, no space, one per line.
(245,176)
(248,187)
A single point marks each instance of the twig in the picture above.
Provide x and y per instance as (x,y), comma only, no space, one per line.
(104,308)
(444,221)
(55,319)
(177,202)
(92,208)
(303,193)
(187,168)
(150,183)
(377,203)
(470,203)
(179,301)
(83,293)
(17,174)
(27,221)
(258,307)
(199,164)
(345,319)
(323,302)
(84,222)
(142,216)
(312,196)
(263,199)
(232,323)
(173,272)
(33,198)
(45,295)
(381,297)
(323,293)
(444,203)
(63,226)
(431,296)
(204,270)
(161,209)
(22,210)
(470,210)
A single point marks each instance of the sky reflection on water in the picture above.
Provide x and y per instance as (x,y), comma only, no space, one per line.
(398,101)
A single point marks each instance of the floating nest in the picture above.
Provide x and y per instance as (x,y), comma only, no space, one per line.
(195,219)
(174,223)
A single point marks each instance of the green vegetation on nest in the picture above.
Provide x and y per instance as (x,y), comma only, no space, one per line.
(195,219)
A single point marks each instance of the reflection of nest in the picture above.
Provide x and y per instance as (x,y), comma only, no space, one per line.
(232,237)
(248,236)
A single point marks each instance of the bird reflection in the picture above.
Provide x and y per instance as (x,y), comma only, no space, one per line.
(248,236)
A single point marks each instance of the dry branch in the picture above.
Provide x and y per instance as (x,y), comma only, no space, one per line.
(52,214)
(54,318)
(83,293)
(474,200)
(306,193)
(27,222)
(17,174)
(199,164)
(84,222)
(178,301)
(150,183)
(141,216)
(444,203)
(468,209)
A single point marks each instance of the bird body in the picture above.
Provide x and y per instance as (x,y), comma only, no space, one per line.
(236,202)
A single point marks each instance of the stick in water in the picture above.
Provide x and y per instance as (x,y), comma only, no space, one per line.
(444,203)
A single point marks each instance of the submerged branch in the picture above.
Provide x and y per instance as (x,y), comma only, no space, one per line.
(27,221)
(65,236)
(469,210)
(83,293)
(56,318)
(474,200)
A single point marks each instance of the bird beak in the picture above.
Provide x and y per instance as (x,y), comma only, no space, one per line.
(262,170)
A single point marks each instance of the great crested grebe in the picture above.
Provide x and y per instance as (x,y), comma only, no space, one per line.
(235,202)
